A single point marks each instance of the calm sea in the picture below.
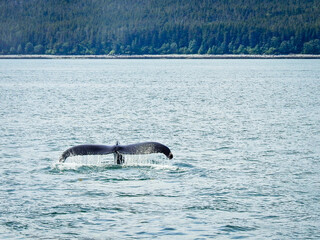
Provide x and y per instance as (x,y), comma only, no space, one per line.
(245,135)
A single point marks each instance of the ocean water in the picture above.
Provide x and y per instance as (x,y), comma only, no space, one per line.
(245,135)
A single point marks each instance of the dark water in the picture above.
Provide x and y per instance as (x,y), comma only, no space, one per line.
(245,135)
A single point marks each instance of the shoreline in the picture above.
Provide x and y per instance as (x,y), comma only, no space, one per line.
(167,56)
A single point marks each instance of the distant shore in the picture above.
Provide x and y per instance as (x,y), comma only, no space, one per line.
(169,56)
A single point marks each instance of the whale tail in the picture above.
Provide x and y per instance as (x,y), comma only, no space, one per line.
(118,158)
(145,148)
(86,150)
(118,150)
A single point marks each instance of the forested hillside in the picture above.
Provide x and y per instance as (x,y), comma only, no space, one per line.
(159,26)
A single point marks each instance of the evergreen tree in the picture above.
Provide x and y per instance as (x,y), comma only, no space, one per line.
(19,49)
(162,27)
(39,49)
(29,48)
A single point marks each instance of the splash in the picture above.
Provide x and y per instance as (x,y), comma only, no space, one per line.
(107,161)
(76,162)
(153,161)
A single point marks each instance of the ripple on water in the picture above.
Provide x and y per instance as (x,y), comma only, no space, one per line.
(244,135)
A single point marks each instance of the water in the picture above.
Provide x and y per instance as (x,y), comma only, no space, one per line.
(245,136)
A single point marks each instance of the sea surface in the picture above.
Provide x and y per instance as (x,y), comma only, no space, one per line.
(245,135)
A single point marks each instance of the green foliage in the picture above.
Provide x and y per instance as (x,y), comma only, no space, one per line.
(20,49)
(159,27)
(39,49)
(29,48)
(12,50)
(312,47)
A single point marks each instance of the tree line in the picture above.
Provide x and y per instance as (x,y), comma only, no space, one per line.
(159,27)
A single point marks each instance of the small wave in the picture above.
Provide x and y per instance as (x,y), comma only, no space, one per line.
(184,165)
(221,148)
(233,228)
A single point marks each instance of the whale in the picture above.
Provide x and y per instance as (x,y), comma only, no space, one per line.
(117,150)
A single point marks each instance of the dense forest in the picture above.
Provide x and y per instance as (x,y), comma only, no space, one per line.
(159,26)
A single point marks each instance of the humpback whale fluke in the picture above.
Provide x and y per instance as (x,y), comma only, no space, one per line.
(118,150)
